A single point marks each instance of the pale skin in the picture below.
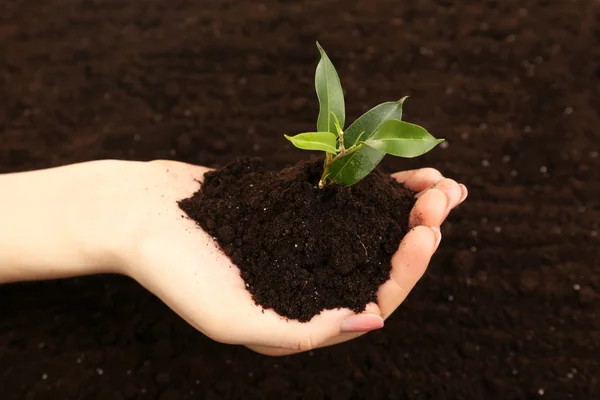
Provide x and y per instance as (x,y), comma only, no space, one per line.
(122,217)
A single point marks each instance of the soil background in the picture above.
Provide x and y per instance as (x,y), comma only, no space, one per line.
(509,308)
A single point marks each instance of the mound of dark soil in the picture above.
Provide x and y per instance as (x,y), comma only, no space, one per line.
(301,249)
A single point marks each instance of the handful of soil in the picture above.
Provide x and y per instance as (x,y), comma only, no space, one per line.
(300,249)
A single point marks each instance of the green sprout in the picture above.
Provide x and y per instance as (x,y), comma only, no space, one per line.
(352,154)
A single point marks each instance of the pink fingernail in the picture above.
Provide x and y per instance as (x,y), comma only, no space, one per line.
(362,323)
(464,192)
(438,236)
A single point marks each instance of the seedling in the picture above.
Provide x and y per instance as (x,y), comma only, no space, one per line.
(352,154)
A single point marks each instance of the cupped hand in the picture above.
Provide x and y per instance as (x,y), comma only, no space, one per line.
(181,264)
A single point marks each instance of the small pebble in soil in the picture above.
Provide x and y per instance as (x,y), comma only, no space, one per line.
(527,129)
(464,135)
(444,145)
(543,169)
(593,233)
(515,372)
(256,147)
(450,298)
(485,163)
(541,392)
(473,233)
(594,154)
(497,229)
(576,287)
(568,110)
(100,371)
(473,249)
(570,375)
(505,159)
(425,51)
(44,376)
(514,172)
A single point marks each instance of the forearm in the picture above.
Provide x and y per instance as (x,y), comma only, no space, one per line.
(52,223)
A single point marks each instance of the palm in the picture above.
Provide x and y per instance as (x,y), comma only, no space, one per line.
(183,266)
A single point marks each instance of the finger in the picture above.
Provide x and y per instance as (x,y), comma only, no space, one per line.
(408,266)
(371,310)
(451,188)
(430,209)
(278,351)
(418,180)
(271,330)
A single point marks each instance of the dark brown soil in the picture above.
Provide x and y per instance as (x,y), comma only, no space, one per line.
(509,307)
(326,249)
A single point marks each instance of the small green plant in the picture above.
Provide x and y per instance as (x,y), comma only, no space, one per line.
(352,154)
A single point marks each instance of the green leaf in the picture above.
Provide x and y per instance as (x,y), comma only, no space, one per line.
(355,166)
(330,95)
(323,141)
(402,139)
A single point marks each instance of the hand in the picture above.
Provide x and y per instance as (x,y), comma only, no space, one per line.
(180,263)
(123,217)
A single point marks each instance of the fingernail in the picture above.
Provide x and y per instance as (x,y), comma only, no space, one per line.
(438,235)
(464,191)
(362,323)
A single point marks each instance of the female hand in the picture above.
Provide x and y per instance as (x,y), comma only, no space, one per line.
(183,266)
(123,217)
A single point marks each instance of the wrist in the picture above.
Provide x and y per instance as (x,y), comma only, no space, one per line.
(64,221)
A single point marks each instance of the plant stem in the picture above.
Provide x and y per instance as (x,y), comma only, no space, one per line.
(329,160)
(326,167)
